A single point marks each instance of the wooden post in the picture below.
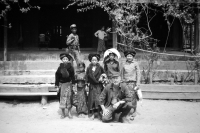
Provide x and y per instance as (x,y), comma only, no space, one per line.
(5,38)
(114,36)
(196,77)
(44,100)
(197,33)
(172,81)
(150,77)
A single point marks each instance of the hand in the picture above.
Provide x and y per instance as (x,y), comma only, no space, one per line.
(121,102)
(116,105)
(105,112)
(57,88)
(136,88)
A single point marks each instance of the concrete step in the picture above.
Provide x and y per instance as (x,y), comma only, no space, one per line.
(52,72)
(150,91)
(51,65)
(50,79)
(28,79)
(35,55)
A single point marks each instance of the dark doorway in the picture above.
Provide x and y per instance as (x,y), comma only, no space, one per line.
(57,21)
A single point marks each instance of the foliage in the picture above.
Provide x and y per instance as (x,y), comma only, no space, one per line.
(6,6)
(127,15)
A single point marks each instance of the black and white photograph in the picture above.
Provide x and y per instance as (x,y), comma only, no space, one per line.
(99,66)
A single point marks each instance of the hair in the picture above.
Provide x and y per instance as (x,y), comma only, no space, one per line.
(81,64)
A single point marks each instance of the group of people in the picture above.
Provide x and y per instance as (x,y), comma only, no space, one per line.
(112,88)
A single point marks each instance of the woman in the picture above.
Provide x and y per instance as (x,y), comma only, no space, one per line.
(64,78)
(93,73)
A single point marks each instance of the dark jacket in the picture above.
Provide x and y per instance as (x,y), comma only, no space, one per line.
(93,77)
(106,96)
(64,73)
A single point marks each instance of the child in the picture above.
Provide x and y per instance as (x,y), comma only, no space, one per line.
(131,76)
(64,78)
(111,66)
(101,42)
(93,73)
(73,43)
(81,105)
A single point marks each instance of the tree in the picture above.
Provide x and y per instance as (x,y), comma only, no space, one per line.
(126,14)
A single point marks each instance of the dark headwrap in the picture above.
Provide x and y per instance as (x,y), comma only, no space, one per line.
(131,52)
(93,55)
(65,55)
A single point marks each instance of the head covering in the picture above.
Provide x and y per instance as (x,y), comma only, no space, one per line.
(73,26)
(112,54)
(90,56)
(81,64)
(62,55)
(132,52)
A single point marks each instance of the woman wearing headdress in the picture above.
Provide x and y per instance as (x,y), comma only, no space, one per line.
(93,74)
(64,78)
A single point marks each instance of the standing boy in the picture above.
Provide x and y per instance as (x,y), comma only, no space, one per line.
(73,43)
(101,42)
(130,74)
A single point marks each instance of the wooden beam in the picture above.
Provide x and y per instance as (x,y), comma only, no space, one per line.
(170,88)
(5,38)
(197,32)
(178,96)
(29,94)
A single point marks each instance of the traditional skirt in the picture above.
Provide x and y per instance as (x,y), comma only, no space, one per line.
(101,46)
(93,98)
(131,86)
(66,95)
(81,104)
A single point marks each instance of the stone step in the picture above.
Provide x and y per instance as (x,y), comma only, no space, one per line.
(28,79)
(150,91)
(52,72)
(50,79)
(35,55)
(51,65)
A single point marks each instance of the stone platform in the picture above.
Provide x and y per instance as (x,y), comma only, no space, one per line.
(39,66)
(53,54)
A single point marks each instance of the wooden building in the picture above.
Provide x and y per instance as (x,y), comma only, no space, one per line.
(26,27)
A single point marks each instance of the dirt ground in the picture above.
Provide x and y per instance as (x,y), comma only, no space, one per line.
(154,116)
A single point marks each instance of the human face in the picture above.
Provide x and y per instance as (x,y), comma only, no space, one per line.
(129,57)
(65,60)
(74,30)
(102,28)
(111,56)
(116,80)
(94,60)
(81,67)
